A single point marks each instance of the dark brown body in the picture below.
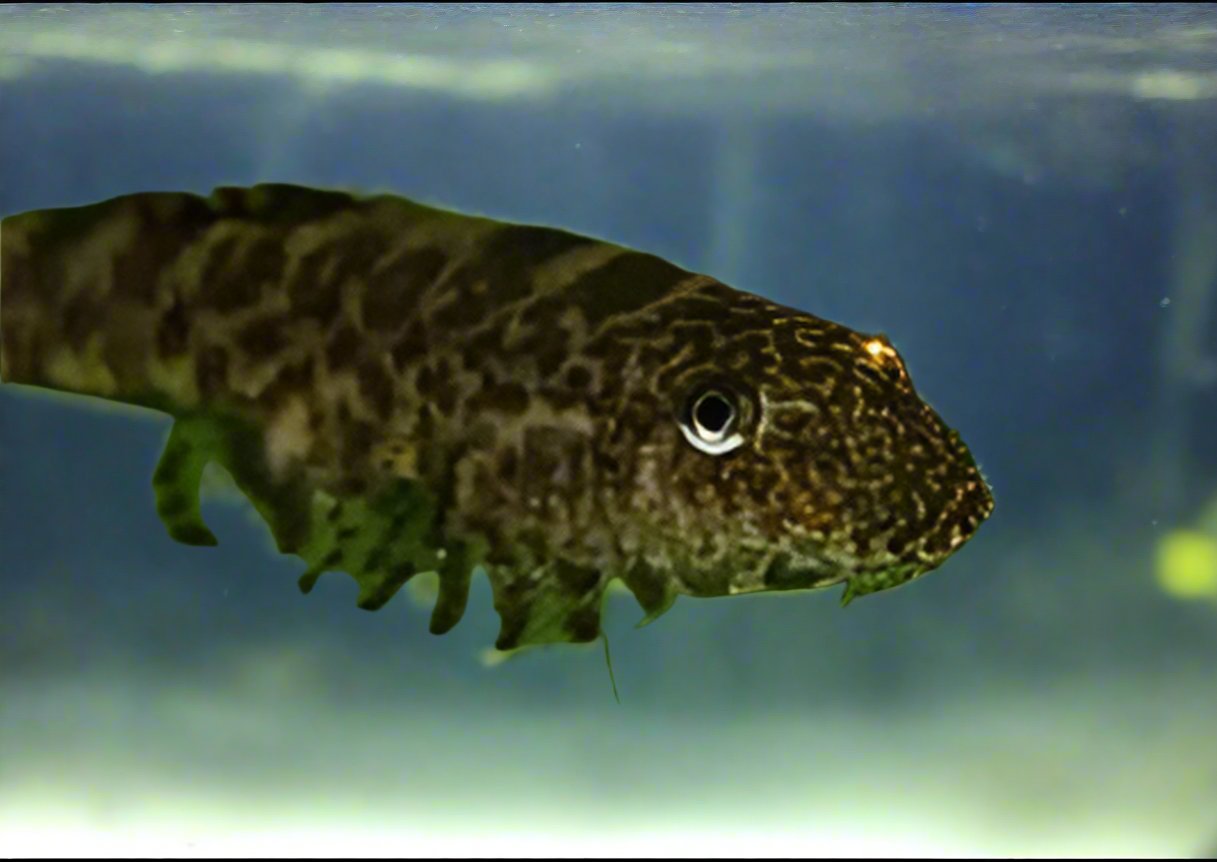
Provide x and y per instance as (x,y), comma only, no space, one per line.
(522,385)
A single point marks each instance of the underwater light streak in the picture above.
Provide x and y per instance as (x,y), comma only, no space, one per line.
(489,79)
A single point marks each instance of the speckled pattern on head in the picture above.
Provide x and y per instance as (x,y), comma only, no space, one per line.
(401,389)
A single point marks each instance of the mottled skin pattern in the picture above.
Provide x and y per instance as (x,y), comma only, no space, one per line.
(400,388)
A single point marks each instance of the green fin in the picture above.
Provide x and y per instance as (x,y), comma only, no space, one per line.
(197,439)
(555,602)
(381,538)
(176,483)
(654,591)
(454,573)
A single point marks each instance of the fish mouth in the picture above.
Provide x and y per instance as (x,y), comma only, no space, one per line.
(820,567)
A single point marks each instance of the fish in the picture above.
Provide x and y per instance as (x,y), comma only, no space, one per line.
(399,389)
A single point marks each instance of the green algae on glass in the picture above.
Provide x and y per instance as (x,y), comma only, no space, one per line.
(399,389)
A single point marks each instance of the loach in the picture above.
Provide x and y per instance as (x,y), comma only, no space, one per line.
(400,389)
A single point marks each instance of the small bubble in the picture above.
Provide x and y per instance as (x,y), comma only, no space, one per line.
(1164,302)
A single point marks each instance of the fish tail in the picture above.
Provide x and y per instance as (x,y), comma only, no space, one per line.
(84,302)
(175,300)
(172,300)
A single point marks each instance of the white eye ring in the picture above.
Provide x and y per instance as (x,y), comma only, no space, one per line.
(712,423)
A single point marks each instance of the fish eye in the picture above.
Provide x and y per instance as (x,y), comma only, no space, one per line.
(711,421)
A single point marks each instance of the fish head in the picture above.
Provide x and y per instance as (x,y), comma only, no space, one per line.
(790,452)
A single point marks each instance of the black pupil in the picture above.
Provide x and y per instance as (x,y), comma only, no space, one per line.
(713,412)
